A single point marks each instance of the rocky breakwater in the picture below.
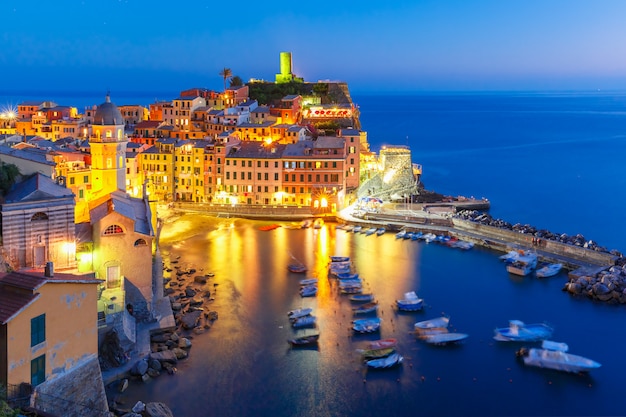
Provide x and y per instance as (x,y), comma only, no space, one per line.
(189,294)
(608,286)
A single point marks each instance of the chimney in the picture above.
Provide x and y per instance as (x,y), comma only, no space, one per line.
(49,270)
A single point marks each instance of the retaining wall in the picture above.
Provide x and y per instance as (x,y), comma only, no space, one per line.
(576,253)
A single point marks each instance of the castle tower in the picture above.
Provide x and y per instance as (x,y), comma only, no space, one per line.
(285,74)
(108,150)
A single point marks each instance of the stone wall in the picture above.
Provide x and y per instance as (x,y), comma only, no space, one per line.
(77,393)
(561,249)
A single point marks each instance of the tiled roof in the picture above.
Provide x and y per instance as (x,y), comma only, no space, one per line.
(254,149)
(18,289)
(37,187)
(27,154)
(122,203)
(12,302)
(329,142)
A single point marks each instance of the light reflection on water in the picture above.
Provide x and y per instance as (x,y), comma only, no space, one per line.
(243,366)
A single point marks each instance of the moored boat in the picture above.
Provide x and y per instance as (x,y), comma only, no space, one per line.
(361,298)
(308,281)
(518,331)
(444,338)
(365,308)
(553,355)
(339,259)
(380,231)
(366,325)
(439,322)
(306,321)
(410,302)
(523,265)
(306,340)
(269,227)
(382,343)
(388,362)
(308,291)
(376,353)
(549,270)
(299,312)
(401,234)
(297,268)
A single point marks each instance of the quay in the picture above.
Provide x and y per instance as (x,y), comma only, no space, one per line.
(438,218)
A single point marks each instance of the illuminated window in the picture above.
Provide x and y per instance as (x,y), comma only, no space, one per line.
(109,134)
(318,164)
(114,229)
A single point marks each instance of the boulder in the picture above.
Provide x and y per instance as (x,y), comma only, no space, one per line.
(138,407)
(158,410)
(200,279)
(154,364)
(190,319)
(180,353)
(190,292)
(139,368)
(166,356)
(600,289)
(184,343)
(573,288)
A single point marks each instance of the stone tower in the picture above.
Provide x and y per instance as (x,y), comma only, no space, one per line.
(108,150)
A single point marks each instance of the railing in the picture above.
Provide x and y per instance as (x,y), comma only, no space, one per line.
(18,396)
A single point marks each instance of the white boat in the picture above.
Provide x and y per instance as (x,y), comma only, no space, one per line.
(339,259)
(518,331)
(410,302)
(437,323)
(553,355)
(318,223)
(370,231)
(524,264)
(380,231)
(347,275)
(401,234)
(549,270)
(388,362)
(299,312)
(429,237)
(510,256)
(444,338)
(357,229)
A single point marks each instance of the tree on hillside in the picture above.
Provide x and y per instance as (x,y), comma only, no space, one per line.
(226,74)
(236,81)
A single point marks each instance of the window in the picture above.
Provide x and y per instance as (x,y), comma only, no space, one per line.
(267,176)
(114,229)
(276,176)
(37,330)
(81,193)
(258,176)
(334,164)
(39,216)
(286,177)
(334,178)
(275,164)
(38,370)
(301,177)
(72,180)
(140,242)
(267,164)
(318,164)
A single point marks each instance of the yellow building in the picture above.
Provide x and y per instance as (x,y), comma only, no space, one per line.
(48,329)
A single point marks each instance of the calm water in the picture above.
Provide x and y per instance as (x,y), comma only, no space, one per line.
(550,160)
(244,367)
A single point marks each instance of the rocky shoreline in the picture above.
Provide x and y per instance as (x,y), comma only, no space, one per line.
(189,293)
(606,286)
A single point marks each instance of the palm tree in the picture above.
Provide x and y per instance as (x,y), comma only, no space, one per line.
(226,73)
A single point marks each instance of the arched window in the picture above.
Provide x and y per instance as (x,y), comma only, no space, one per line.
(39,216)
(140,242)
(114,229)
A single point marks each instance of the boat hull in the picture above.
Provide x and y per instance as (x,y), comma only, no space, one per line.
(559,361)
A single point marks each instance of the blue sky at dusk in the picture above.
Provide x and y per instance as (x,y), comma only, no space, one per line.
(417,45)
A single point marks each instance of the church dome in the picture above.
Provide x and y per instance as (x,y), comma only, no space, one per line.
(108,114)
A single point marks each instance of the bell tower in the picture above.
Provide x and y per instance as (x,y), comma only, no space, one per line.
(108,150)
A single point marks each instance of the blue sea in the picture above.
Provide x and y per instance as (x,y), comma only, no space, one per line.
(552,160)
